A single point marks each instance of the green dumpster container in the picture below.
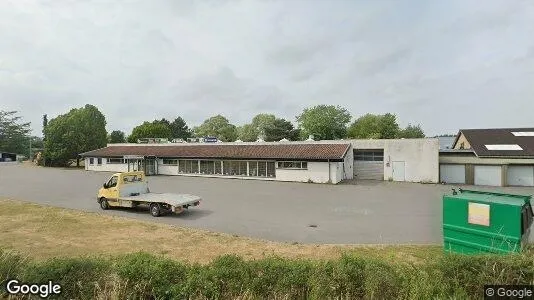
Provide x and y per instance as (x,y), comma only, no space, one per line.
(476,222)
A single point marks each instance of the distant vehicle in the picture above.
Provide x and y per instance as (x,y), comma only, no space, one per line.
(130,189)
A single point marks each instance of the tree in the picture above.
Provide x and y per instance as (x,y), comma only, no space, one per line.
(14,134)
(281,129)
(155,129)
(324,122)
(412,132)
(179,129)
(116,136)
(217,126)
(164,122)
(247,133)
(80,130)
(45,122)
(372,126)
(261,121)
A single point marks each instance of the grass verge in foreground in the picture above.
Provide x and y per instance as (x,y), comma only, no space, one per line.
(45,232)
(145,276)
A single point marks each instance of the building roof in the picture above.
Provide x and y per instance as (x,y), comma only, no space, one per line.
(499,142)
(218,151)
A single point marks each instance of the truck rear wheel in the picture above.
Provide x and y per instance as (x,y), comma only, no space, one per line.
(155,209)
(104,204)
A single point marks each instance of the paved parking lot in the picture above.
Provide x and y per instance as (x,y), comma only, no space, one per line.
(354,213)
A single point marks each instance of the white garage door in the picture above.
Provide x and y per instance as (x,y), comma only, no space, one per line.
(488,175)
(521,175)
(452,173)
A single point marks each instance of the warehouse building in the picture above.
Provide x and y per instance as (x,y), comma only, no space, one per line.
(301,162)
(412,160)
(493,157)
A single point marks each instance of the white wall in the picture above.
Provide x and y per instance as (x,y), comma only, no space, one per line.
(349,165)
(105,166)
(421,157)
(317,172)
(166,169)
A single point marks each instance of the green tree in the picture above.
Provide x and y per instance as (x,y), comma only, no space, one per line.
(217,126)
(389,128)
(14,134)
(412,132)
(116,136)
(372,126)
(261,121)
(155,129)
(80,130)
(247,133)
(324,122)
(179,129)
(281,129)
(365,127)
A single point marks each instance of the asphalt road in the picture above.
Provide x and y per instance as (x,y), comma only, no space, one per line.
(368,212)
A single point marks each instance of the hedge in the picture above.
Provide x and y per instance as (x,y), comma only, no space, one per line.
(145,276)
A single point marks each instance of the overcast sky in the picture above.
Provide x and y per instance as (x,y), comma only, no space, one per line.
(443,64)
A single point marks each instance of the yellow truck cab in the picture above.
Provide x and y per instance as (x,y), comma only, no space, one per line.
(130,189)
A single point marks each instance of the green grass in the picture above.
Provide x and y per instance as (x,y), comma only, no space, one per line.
(146,276)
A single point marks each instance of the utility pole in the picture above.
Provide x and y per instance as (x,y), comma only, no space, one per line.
(30,155)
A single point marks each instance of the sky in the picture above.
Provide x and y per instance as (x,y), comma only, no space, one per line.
(443,64)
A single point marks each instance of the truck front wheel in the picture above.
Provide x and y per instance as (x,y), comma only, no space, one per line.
(104,203)
(155,209)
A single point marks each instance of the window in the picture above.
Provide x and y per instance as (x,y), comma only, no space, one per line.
(302,165)
(504,147)
(218,165)
(188,166)
(173,162)
(369,155)
(207,167)
(115,161)
(112,182)
(91,161)
(271,169)
(99,161)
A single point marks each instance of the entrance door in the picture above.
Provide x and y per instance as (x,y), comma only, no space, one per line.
(398,171)
(150,167)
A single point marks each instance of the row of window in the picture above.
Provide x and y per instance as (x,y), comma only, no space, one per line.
(224,167)
(369,155)
(302,165)
(221,167)
(98,161)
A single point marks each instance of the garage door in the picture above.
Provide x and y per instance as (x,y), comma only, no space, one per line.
(369,164)
(521,175)
(452,173)
(488,175)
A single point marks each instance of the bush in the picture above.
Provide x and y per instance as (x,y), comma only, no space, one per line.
(145,276)
(149,276)
(11,266)
(78,277)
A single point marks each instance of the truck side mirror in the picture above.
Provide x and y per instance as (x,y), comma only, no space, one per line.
(105,185)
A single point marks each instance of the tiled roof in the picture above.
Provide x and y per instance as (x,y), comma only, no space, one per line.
(479,138)
(281,151)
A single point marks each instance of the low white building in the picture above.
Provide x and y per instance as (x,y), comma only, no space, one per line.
(412,160)
(301,162)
